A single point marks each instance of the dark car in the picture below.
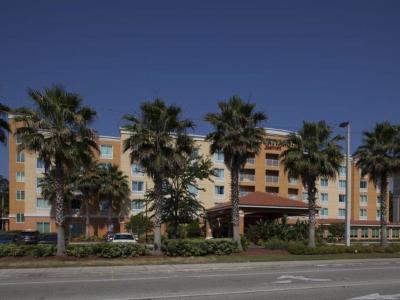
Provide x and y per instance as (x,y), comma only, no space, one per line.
(30,237)
(48,239)
(9,238)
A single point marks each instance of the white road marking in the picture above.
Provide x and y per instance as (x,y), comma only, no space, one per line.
(377,296)
(272,290)
(290,278)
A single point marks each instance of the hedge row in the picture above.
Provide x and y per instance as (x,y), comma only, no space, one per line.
(187,247)
(299,248)
(27,250)
(107,250)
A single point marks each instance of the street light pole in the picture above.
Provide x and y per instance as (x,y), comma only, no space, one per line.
(348,182)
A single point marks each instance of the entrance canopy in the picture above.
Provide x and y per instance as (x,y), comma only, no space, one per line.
(259,203)
(252,208)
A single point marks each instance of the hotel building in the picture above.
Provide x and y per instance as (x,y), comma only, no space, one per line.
(262,173)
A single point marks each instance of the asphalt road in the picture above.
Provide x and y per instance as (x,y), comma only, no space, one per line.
(350,279)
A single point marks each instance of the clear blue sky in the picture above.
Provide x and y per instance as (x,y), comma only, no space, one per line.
(298,60)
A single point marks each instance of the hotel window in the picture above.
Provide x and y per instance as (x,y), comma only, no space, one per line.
(342,171)
(219,174)
(353,232)
(38,185)
(342,198)
(218,157)
(363,200)
(323,212)
(272,190)
(193,190)
(395,233)
(137,204)
(272,160)
(42,203)
(43,227)
(342,184)
(18,139)
(375,233)
(378,200)
(293,180)
(378,214)
(305,196)
(103,206)
(21,157)
(77,229)
(20,218)
(363,213)
(20,176)
(363,185)
(219,190)
(40,165)
(138,187)
(20,195)
(106,151)
(292,193)
(324,183)
(342,213)
(364,233)
(324,197)
(137,169)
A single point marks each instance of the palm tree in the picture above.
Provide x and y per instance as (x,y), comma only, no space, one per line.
(238,136)
(151,144)
(115,188)
(379,158)
(4,126)
(4,190)
(57,129)
(88,182)
(312,153)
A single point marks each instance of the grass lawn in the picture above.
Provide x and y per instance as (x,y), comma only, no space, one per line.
(261,255)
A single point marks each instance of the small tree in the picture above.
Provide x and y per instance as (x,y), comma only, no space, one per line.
(139,224)
(180,203)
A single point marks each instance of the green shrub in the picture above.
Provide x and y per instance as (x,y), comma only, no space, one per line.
(245,242)
(186,247)
(276,244)
(80,250)
(27,250)
(107,250)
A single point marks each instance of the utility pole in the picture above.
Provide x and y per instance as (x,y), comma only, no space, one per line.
(348,182)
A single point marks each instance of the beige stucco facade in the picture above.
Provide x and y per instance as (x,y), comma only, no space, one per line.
(264,172)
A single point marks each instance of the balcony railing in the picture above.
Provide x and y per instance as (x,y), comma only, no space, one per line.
(272,178)
(251,160)
(272,162)
(246,177)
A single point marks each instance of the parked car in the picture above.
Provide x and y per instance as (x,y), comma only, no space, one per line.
(9,238)
(30,237)
(109,236)
(48,239)
(124,238)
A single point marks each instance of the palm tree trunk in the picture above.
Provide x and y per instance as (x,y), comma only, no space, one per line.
(59,210)
(311,215)
(384,184)
(87,219)
(235,207)
(109,215)
(157,215)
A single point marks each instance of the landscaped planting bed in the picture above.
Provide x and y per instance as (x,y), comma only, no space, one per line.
(199,247)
